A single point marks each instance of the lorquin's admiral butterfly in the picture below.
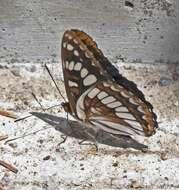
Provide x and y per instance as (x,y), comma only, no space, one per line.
(98,95)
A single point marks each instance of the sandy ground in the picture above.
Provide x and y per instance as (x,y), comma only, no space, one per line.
(44,163)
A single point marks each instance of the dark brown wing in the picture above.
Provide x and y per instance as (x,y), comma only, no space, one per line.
(80,68)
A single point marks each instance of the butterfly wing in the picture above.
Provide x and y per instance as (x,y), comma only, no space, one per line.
(86,70)
(116,110)
(80,67)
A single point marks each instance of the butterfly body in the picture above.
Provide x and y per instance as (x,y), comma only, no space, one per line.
(98,95)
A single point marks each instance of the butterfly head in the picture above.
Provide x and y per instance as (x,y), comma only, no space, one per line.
(66,107)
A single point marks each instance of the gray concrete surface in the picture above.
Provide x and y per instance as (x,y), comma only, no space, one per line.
(31,31)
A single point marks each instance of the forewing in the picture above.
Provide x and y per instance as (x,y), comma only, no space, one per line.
(80,67)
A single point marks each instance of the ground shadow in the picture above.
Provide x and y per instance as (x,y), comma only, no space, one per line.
(75,129)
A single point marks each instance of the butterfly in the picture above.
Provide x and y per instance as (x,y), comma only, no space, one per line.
(98,96)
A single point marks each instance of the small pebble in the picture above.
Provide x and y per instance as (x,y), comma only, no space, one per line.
(33,68)
(13,145)
(163,156)
(129,5)
(135,184)
(165,81)
(115,164)
(46,157)
(16,72)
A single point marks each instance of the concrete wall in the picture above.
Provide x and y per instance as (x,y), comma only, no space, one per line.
(147,32)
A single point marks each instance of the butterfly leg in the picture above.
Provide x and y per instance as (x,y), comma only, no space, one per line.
(69,125)
(64,138)
(82,142)
(90,136)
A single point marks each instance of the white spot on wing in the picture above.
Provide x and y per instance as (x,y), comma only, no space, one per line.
(125,115)
(144,117)
(75,41)
(80,108)
(93,93)
(71,83)
(71,65)
(97,118)
(64,44)
(80,105)
(94,110)
(88,54)
(114,104)
(119,126)
(116,89)
(82,47)
(102,95)
(78,66)
(125,94)
(132,100)
(93,63)
(90,79)
(121,109)
(83,72)
(106,84)
(66,64)
(134,124)
(114,128)
(69,37)
(140,108)
(76,53)
(107,100)
(69,47)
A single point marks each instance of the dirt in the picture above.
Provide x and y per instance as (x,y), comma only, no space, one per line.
(44,164)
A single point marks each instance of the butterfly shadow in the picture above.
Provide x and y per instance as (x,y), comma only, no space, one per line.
(78,131)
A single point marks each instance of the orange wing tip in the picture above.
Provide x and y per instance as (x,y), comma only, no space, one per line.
(149,130)
(8,114)
(84,37)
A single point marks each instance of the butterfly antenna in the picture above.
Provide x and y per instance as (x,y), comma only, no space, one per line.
(54,82)
(35,97)
(20,119)
(44,109)
(25,135)
(41,106)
